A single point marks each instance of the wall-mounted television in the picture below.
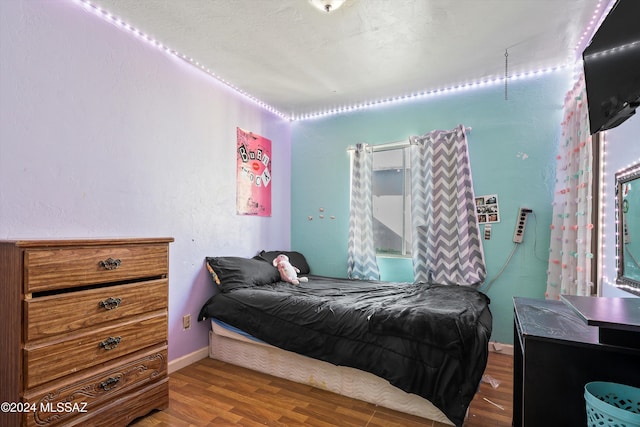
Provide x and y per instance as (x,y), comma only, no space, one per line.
(612,67)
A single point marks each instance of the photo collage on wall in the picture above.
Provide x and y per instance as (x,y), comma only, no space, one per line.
(487,209)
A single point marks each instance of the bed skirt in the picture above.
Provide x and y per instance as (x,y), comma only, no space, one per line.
(236,349)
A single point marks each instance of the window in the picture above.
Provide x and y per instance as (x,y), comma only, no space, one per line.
(392,202)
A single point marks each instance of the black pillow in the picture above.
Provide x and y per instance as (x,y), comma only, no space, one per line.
(295,258)
(237,272)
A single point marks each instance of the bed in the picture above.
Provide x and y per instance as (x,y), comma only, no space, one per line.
(426,340)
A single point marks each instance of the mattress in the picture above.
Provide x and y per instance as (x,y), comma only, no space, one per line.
(226,330)
(234,346)
(429,340)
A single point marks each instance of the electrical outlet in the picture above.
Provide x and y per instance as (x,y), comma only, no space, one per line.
(521,221)
(186,321)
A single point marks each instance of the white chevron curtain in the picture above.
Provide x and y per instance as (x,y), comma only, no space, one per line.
(446,235)
(361,261)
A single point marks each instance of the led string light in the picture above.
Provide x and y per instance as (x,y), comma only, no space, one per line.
(425,94)
(104,14)
(630,169)
(594,23)
(616,49)
(107,16)
(603,210)
(624,287)
(586,35)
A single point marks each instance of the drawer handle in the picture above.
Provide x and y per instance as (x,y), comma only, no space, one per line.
(110,303)
(109,383)
(110,264)
(110,343)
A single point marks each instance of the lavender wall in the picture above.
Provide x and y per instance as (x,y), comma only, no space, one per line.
(104,135)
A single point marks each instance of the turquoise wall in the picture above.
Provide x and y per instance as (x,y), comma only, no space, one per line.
(512,147)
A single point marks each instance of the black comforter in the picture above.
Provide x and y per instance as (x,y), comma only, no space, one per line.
(430,340)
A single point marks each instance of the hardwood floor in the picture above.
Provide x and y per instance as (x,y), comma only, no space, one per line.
(482,412)
(214,393)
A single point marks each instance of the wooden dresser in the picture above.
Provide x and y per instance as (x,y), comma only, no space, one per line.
(84,331)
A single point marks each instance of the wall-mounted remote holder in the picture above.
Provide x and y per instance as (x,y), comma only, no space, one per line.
(520,223)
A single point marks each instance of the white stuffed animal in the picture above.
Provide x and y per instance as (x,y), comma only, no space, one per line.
(288,272)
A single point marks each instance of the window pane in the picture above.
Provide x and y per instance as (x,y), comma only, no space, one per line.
(390,205)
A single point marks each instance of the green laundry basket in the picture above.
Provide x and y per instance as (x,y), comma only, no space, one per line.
(612,405)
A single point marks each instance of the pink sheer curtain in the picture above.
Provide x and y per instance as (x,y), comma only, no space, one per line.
(570,254)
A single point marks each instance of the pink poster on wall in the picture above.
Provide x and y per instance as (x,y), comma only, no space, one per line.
(253,177)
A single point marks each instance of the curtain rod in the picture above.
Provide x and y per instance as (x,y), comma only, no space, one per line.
(393,145)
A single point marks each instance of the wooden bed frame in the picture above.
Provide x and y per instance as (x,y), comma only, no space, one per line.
(231,347)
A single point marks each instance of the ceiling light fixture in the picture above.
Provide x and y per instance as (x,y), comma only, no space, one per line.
(327,5)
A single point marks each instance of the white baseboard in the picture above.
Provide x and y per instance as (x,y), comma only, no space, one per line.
(188,359)
(497,347)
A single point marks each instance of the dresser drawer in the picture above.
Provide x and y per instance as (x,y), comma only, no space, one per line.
(52,269)
(52,403)
(45,362)
(68,312)
(122,411)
